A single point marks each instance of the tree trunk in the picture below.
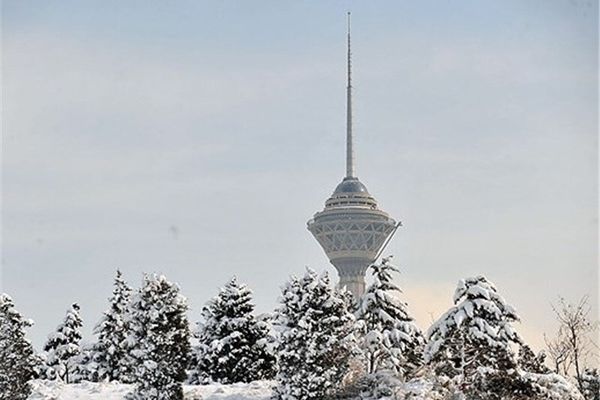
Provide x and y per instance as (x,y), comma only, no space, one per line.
(576,358)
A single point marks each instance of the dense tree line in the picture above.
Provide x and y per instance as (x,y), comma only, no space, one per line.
(320,343)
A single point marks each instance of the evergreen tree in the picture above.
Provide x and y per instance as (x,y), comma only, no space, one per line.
(590,384)
(476,332)
(18,360)
(85,367)
(391,340)
(315,338)
(62,346)
(159,338)
(110,351)
(233,342)
(528,361)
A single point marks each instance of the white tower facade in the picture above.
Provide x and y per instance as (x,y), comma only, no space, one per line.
(351,228)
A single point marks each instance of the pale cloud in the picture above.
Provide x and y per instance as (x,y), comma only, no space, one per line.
(98,80)
(428,301)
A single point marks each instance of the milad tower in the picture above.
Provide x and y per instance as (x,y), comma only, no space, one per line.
(352,229)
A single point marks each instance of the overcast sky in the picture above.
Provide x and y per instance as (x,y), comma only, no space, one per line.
(197,138)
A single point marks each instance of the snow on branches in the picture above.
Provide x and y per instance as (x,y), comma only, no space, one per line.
(18,360)
(110,351)
(391,340)
(233,343)
(62,347)
(476,331)
(315,338)
(158,339)
(472,342)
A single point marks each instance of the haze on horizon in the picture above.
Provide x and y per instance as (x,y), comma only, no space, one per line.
(197,138)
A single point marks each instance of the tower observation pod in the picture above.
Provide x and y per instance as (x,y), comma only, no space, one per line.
(351,228)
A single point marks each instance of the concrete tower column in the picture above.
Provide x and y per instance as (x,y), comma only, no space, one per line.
(352,274)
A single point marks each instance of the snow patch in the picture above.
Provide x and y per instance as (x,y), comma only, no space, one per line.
(54,390)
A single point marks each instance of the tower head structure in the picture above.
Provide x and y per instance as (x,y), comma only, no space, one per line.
(351,228)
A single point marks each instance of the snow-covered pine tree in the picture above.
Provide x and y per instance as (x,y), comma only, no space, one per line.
(84,366)
(110,351)
(233,343)
(62,346)
(159,339)
(590,384)
(391,341)
(528,361)
(315,338)
(18,360)
(475,333)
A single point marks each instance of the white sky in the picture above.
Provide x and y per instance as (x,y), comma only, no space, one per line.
(197,138)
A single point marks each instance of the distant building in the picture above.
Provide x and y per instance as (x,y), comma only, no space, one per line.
(351,229)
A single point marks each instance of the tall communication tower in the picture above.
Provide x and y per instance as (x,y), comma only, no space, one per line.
(351,229)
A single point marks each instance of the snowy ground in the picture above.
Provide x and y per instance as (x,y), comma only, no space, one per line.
(46,390)
(551,386)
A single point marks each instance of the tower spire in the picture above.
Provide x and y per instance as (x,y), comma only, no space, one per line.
(349,138)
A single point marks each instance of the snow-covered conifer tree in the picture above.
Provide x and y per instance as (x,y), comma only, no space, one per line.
(84,367)
(590,384)
(110,350)
(315,338)
(233,342)
(391,341)
(18,360)
(528,361)
(476,332)
(159,337)
(62,346)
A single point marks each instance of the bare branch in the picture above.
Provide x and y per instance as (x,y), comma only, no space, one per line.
(572,346)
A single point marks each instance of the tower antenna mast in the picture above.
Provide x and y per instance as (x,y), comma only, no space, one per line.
(349,139)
